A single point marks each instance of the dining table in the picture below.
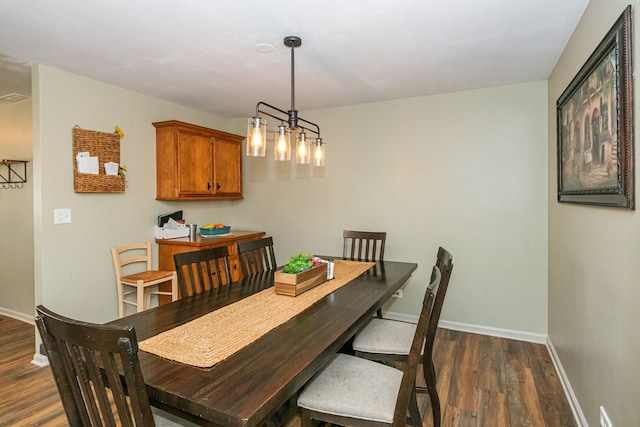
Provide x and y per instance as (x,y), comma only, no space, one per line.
(249,386)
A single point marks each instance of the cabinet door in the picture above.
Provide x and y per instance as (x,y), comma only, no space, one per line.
(195,164)
(228,168)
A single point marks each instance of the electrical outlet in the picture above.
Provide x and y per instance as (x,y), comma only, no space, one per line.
(397,294)
(604,418)
(61,216)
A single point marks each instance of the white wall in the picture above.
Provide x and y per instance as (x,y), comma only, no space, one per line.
(16,207)
(593,262)
(464,170)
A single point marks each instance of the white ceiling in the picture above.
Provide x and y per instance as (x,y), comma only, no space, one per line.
(202,53)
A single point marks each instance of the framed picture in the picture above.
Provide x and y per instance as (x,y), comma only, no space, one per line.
(595,126)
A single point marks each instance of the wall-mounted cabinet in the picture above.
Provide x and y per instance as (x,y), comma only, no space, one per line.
(197,163)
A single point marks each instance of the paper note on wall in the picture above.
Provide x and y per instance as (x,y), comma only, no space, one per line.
(111,168)
(88,165)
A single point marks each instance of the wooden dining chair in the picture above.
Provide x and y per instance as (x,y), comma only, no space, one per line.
(97,372)
(351,391)
(364,246)
(202,270)
(389,341)
(144,282)
(256,256)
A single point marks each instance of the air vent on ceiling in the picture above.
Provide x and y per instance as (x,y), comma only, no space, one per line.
(14,97)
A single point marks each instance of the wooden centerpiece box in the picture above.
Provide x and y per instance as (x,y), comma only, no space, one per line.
(295,284)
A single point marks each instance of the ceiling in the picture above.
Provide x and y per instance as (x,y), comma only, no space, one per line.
(202,53)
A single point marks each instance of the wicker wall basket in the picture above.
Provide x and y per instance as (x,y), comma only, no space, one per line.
(105,146)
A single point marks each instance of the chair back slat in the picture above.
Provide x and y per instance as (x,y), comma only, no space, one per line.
(256,256)
(407,386)
(363,245)
(96,370)
(202,270)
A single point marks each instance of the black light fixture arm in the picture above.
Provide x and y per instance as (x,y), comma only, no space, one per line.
(291,117)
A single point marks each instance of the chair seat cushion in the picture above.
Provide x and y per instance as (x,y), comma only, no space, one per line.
(385,336)
(353,387)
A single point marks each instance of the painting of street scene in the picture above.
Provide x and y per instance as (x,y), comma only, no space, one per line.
(588,134)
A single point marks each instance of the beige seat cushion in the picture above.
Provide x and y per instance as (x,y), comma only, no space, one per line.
(353,387)
(385,336)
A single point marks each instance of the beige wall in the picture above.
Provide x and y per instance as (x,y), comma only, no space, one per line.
(73,268)
(593,264)
(16,207)
(464,170)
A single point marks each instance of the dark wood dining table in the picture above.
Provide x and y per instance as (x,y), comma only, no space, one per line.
(248,387)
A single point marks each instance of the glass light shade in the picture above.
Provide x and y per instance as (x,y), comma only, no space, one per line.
(318,152)
(256,137)
(303,149)
(282,146)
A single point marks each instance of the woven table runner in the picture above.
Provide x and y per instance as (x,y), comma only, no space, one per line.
(210,339)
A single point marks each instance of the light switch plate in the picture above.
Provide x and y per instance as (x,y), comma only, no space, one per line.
(61,216)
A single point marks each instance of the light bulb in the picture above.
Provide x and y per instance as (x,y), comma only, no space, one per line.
(318,153)
(282,146)
(303,150)
(256,138)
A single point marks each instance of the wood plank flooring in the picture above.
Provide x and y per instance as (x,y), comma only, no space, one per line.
(482,381)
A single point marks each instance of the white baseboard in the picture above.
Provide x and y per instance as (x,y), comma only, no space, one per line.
(18,316)
(578,415)
(494,332)
(476,329)
(40,360)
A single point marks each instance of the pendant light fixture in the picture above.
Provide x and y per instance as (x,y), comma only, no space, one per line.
(308,150)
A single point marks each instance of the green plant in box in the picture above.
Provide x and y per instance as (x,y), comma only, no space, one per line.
(298,263)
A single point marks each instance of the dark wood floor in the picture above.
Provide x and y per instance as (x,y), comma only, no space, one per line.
(483,381)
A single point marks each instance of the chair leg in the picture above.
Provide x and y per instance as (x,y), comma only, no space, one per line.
(414,412)
(305,418)
(430,379)
(174,287)
(120,301)
(140,296)
(147,298)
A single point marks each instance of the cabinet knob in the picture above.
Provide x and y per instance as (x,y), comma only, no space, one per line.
(217,186)
(208,186)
